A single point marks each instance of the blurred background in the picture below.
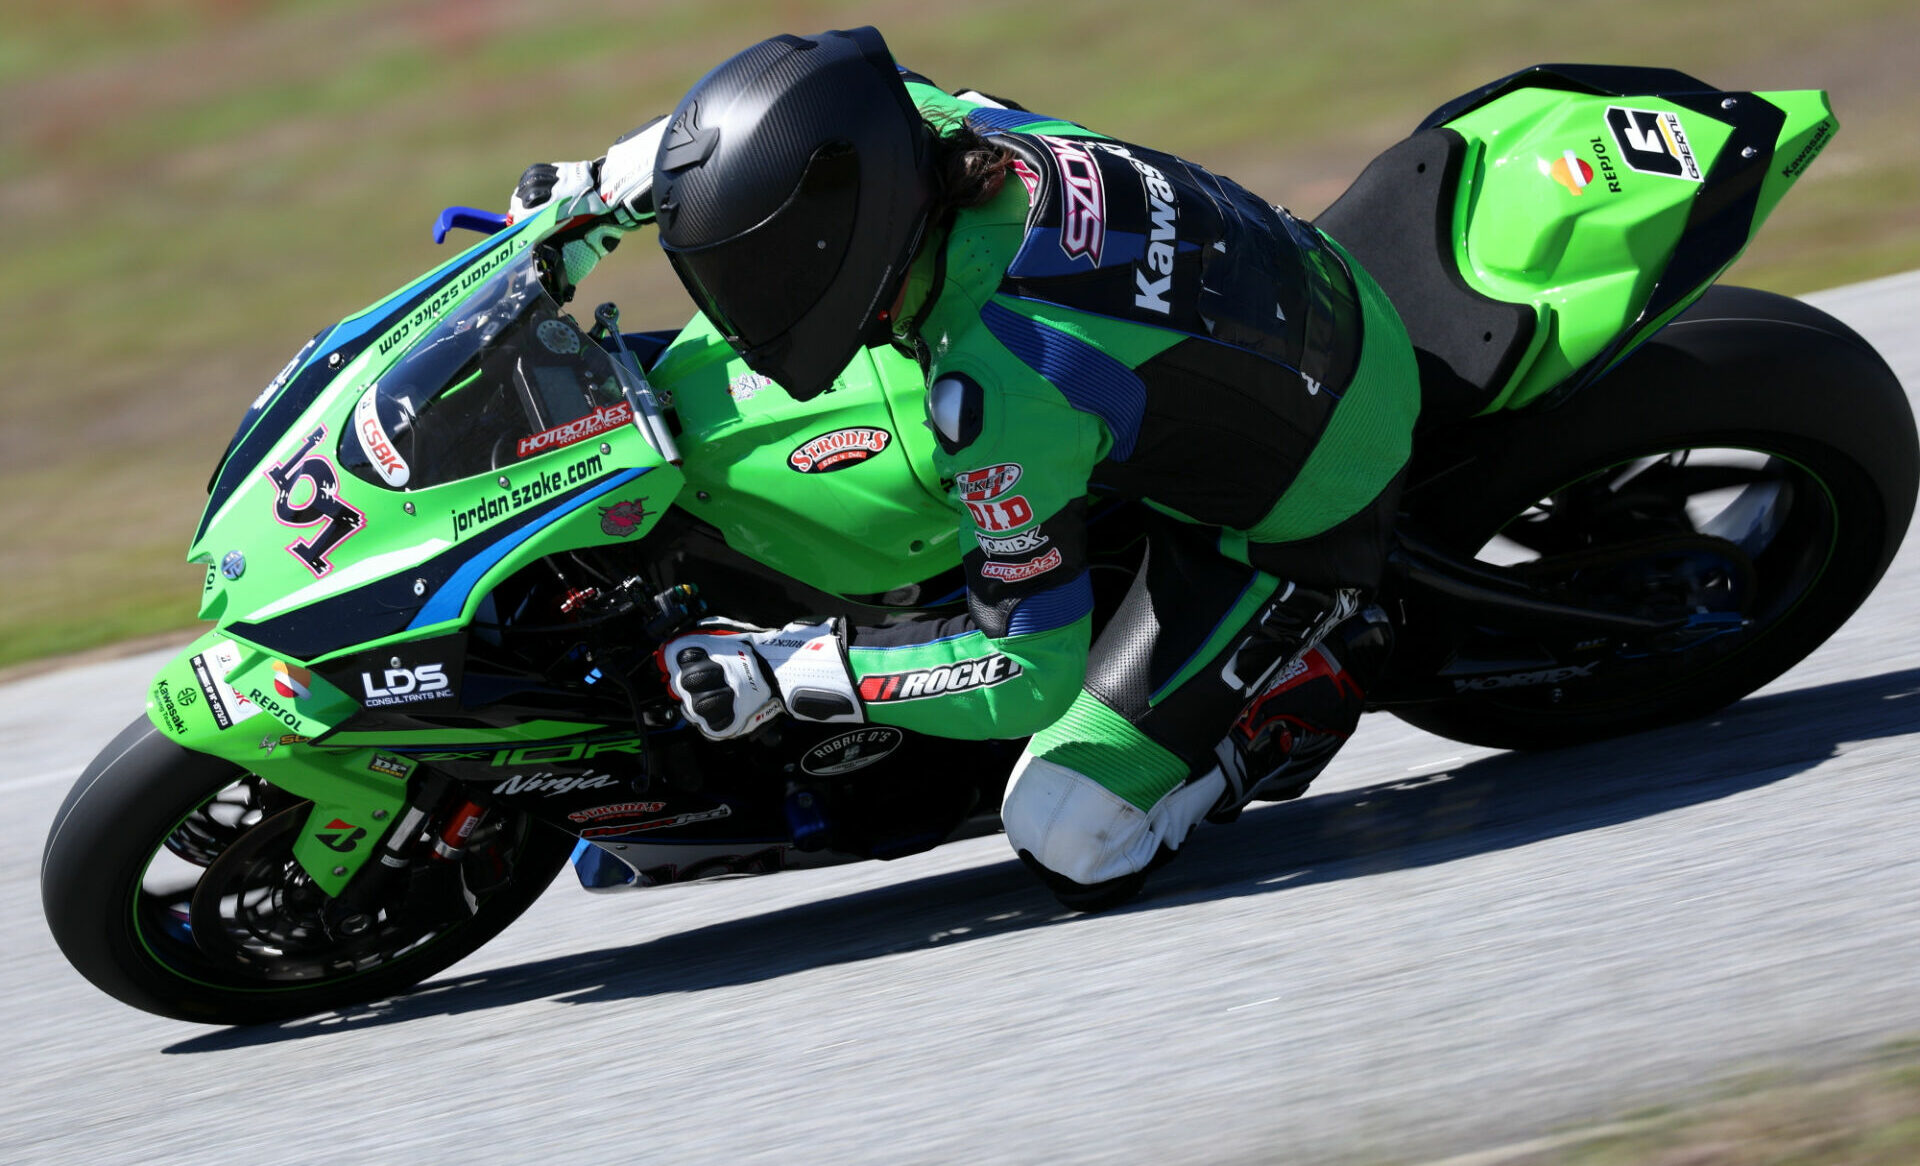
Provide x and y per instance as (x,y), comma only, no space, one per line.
(193,187)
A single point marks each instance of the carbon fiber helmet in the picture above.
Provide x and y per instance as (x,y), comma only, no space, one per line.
(790,191)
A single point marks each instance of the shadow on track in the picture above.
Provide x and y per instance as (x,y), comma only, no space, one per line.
(1493,804)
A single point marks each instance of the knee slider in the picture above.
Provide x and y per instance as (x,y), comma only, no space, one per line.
(1073,826)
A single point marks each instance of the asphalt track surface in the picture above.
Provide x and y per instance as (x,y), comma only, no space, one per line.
(1443,949)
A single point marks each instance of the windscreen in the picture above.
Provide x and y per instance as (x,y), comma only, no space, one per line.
(504,377)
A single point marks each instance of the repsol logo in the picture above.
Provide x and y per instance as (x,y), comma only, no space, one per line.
(1524,679)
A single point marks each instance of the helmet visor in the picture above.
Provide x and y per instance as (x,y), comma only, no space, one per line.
(758,284)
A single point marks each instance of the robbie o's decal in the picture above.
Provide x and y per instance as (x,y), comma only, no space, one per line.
(1015,572)
(965,676)
(1653,142)
(838,450)
(852,750)
(623,518)
(988,483)
(307,493)
(375,443)
(605,419)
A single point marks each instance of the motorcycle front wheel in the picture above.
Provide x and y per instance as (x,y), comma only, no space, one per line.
(168,880)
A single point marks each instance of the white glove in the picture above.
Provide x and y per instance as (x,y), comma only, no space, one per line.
(731,678)
(616,189)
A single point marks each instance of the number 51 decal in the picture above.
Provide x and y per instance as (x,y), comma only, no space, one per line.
(307,492)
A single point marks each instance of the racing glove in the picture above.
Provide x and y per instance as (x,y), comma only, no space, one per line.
(730,678)
(616,190)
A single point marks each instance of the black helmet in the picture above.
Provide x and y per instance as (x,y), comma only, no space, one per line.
(790,191)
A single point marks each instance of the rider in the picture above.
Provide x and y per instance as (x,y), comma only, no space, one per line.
(1093,317)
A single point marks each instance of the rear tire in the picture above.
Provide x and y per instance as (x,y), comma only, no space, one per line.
(147,803)
(1741,370)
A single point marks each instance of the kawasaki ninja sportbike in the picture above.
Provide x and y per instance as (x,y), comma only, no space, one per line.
(446,539)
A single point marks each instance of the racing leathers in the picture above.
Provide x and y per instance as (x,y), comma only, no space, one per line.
(1119,322)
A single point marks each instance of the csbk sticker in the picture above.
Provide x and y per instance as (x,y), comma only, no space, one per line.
(839,450)
(386,460)
(920,683)
(984,485)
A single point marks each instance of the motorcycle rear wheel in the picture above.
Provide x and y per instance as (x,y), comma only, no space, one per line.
(168,881)
(1832,465)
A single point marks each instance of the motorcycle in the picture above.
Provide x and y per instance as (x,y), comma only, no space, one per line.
(447,537)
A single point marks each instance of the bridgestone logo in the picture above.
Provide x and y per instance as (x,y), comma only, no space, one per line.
(925,682)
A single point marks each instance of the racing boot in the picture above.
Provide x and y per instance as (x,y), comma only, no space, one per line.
(1290,730)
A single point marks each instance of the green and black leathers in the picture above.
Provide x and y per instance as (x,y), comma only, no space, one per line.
(1119,321)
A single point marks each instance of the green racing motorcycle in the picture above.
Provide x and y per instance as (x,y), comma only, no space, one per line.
(446,538)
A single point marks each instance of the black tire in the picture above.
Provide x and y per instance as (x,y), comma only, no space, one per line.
(1740,370)
(145,798)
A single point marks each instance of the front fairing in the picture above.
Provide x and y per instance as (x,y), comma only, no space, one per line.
(312,554)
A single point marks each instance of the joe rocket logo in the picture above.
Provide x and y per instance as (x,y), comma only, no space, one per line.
(838,450)
(965,676)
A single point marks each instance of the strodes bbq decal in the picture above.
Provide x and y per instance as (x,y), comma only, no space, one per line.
(839,450)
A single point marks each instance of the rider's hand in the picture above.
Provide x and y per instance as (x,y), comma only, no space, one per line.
(731,678)
(569,181)
(615,192)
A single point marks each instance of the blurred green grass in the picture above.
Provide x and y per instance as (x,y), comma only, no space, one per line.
(192,187)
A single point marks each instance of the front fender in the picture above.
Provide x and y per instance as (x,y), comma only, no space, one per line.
(236,701)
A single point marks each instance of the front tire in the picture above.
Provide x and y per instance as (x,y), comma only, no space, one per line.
(1831,470)
(168,882)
